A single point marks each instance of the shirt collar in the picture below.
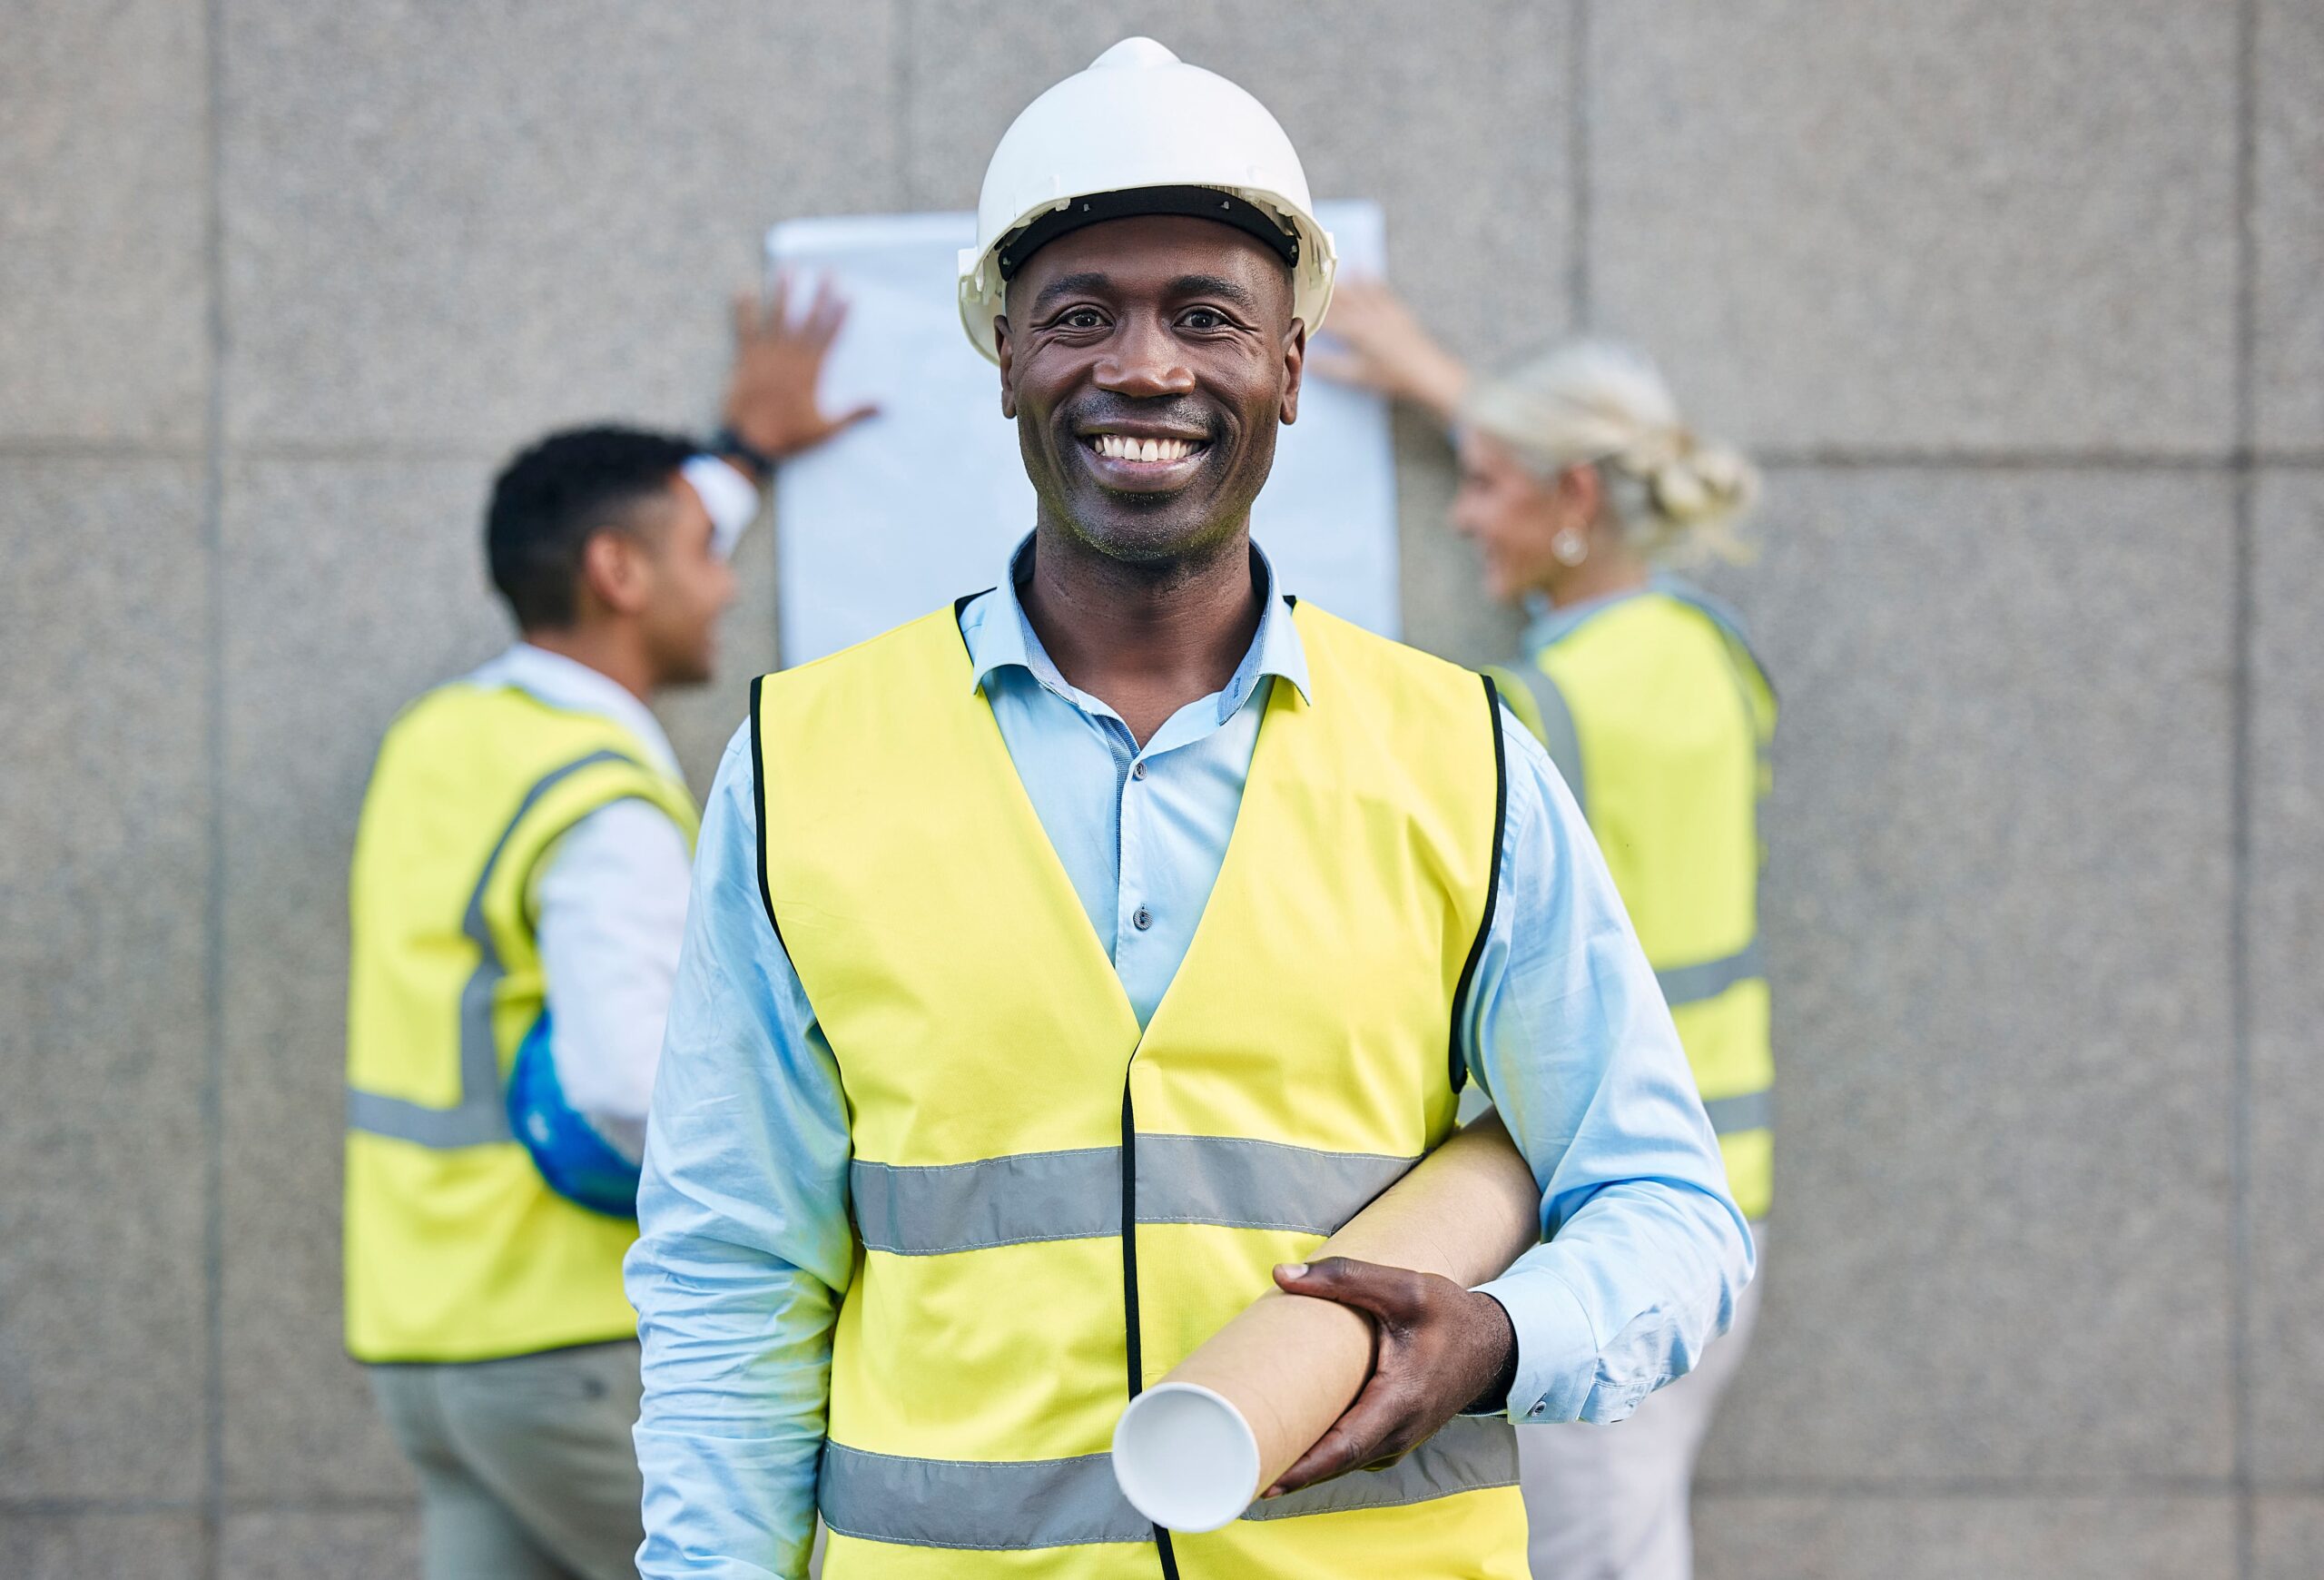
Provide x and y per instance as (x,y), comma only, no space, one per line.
(1551,623)
(1000,637)
(569,684)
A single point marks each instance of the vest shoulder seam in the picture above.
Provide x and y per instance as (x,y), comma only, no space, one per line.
(1417,659)
(797,676)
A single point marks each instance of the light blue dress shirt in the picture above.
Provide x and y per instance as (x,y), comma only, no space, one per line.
(746,1245)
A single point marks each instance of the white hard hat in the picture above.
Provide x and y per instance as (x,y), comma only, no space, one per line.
(1140,121)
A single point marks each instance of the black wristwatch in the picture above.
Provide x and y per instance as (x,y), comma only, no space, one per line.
(728,445)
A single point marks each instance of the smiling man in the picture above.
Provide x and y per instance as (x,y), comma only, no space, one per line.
(1063,967)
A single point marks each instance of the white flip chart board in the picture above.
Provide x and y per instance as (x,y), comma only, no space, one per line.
(903,513)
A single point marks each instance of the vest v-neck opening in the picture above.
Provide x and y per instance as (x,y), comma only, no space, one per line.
(1054,878)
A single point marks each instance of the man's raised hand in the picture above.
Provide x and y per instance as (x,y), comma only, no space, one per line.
(771,402)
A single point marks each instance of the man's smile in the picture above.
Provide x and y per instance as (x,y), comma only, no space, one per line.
(1136,458)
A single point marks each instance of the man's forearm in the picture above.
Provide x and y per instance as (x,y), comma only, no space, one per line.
(737,1369)
(743,1235)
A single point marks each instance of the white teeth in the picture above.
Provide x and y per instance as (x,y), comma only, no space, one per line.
(1121,447)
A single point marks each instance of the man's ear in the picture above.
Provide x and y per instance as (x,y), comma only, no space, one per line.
(1295,363)
(1008,367)
(613,571)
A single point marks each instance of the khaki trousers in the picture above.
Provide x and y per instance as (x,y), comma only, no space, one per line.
(526,1470)
(1610,1502)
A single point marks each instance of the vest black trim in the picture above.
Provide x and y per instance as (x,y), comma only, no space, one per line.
(758,802)
(1458,1064)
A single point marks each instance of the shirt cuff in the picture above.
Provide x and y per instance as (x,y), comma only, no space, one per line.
(1557,1353)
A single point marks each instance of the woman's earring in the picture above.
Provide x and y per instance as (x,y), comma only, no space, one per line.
(1570,547)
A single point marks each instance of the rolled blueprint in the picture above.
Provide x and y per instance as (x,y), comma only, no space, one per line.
(1192,1451)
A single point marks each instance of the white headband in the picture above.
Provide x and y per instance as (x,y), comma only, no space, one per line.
(731,500)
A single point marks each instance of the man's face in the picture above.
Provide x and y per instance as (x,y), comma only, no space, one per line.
(687,585)
(1163,336)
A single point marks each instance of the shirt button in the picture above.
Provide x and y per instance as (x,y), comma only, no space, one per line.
(1138,769)
(1143,919)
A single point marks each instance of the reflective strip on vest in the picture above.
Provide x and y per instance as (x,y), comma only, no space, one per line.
(1013,1504)
(1687,985)
(481,1116)
(1752,1110)
(1558,734)
(1231,1181)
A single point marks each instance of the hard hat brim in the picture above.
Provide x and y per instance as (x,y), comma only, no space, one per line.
(1199,203)
(984,288)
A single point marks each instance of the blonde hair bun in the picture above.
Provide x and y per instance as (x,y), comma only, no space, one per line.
(1702,482)
(1602,403)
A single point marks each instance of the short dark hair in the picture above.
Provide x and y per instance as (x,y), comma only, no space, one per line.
(556,495)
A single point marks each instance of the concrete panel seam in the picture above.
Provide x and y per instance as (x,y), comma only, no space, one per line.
(2240,814)
(63,447)
(2042,1489)
(1859,459)
(367,451)
(81,1507)
(1578,305)
(213,1128)
(899,63)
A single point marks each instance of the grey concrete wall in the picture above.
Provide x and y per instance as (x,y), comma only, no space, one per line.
(2020,305)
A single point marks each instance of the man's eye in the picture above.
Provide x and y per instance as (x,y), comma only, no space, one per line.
(1205,317)
(1083,318)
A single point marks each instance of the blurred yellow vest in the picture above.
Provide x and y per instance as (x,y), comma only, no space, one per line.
(455,1249)
(1009,1118)
(1658,716)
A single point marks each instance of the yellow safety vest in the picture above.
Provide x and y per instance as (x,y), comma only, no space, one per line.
(456,1249)
(1656,712)
(1009,1119)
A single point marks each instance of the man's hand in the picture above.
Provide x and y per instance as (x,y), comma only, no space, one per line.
(770,398)
(1438,1349)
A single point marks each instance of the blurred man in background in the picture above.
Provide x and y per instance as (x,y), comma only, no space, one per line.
(518,895)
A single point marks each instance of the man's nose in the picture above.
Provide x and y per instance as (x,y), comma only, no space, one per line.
(1143,361)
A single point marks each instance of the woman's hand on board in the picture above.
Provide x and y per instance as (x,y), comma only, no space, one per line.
(1371,339)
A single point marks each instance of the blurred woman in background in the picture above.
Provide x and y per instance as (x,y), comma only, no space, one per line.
(1578,484)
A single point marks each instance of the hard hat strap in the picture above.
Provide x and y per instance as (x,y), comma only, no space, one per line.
(1201,203)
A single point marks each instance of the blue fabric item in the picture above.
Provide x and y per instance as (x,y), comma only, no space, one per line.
(575,1162)
(745,1240)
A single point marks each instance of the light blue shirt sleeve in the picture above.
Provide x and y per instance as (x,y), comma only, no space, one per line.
(1566,1032)
(743,1247)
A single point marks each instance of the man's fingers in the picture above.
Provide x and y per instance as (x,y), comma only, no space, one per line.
(777,314)
(1382,1292)
(1327,1458)
(746,315)
(825,427)
(1356,1439)
(823,321)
